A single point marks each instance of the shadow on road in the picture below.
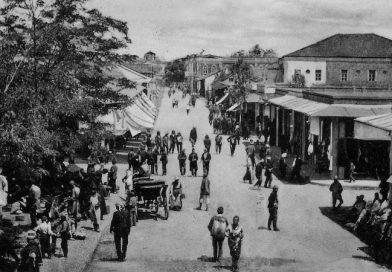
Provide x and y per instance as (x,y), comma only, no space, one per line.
(344,218)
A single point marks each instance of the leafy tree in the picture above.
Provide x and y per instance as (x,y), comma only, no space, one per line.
(174,72)
(270,53)
(256,51)
(242,74)
(52,75)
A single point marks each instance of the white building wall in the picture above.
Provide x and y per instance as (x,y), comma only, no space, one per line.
(310,78)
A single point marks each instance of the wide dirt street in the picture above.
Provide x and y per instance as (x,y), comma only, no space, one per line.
(308,241)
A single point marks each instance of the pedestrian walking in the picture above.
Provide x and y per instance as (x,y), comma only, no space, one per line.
(94,209)
(121,227)
(65,233)
(336,189)
(150,161)
(250,153)
(258,173)
(351,172)
(75,200)
(33,202)
(207,143)
(131,206)
(158,141)
(188,108)
(173,139)
(44,232)
(233,143)
(210,117)
(283,165)
(179,141)
(268,173)
(218,143)
(193,158)
(296,171)
(165,143)
(206,158)
(204,192)
(273,208)
(113,176)
(182,162)
(193,136)
(155,154)
(173,103)
(218,227)
(248,174)
(235,234)
(164,161)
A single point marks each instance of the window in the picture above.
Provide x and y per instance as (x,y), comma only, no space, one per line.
(318,75)
(372,75)
(205,69)
(213,69)
(344,75)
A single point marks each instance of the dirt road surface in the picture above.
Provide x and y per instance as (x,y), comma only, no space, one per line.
(308,241)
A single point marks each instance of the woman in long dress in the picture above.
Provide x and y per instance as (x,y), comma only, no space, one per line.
(235,235)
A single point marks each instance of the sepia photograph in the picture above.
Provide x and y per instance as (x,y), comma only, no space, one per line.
(195,136)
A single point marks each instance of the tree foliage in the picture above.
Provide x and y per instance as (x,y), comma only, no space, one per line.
(255,52)
(242,74)
(52,74)
(175,72)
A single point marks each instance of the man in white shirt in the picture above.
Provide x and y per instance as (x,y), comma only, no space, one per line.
(44,231)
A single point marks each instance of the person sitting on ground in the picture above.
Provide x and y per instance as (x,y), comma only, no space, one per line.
(358,206)
(175,194)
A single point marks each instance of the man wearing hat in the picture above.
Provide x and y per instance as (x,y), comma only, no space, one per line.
(206,158)
(31,257)
(121,226)
(273,208)
(204,192)
(217,227)
(283,165)
(193,158)
(44,231)
(336,189)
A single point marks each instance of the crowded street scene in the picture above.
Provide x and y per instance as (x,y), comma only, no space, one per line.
(159,136)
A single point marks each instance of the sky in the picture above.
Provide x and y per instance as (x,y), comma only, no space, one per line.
(175,28)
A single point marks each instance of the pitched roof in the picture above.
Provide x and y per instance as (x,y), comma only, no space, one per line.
(348,46)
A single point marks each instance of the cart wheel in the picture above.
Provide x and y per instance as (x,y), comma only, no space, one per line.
(166,209)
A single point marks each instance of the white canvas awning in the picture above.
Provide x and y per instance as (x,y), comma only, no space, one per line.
(234,107)
(222,99)
(377,127)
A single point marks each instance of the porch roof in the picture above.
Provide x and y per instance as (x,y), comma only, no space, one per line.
(301,105)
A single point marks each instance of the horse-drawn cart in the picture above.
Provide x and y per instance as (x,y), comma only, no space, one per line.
(151,195)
